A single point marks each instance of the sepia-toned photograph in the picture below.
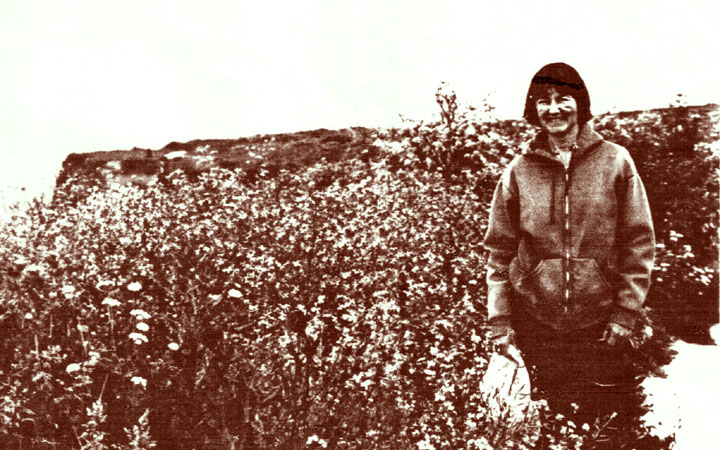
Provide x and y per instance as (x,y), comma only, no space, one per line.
(341,225)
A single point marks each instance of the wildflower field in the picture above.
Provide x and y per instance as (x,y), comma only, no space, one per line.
(333,305)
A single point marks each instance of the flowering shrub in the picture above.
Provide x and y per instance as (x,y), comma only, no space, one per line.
(463,138)
(677,154)
(339,305)
(232,315)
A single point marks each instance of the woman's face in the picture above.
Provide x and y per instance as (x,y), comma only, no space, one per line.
(557,113)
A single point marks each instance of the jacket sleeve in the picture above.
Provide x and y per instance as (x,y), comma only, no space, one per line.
(636,256)
(501,241)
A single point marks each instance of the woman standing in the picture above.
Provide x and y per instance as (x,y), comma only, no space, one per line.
(571,249)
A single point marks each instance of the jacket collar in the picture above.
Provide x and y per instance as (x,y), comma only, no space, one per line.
(588,139)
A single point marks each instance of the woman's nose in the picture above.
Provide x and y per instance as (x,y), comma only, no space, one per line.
(553,106)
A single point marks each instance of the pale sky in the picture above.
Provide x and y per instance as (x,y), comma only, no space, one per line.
(78,76)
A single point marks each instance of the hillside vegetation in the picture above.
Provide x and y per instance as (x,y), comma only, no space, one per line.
(322,289)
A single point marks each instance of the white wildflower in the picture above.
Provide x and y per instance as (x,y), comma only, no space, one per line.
(312,330)
(74,367)
(139,338)
(142,326)
(21,261)
(480,444)
(134,286)
(425,444)
(647,332)
(314,438)
(94,359)
(173,346)
(29,316)
(34,268)
(139,314)
(350,316)
(110,302)
(234,293)
(68,290)
(103,284)
(139,381)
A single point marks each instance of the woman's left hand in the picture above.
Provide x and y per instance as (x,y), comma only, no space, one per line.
(616,334)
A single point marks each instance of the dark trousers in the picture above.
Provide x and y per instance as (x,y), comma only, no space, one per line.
(577,368)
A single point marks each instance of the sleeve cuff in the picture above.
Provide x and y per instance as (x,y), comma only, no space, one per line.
(626,317)
(499,326)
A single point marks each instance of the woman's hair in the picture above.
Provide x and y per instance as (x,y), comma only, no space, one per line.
(567,82)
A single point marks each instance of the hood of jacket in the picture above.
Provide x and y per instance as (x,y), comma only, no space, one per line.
(588,139)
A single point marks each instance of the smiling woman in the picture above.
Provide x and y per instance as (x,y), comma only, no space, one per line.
(571,247)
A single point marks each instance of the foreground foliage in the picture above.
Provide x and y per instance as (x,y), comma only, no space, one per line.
(272,315)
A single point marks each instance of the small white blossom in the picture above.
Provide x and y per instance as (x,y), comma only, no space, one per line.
(314,438)
(139,314)
(142,326)
(425,444)
(34,268)
(103,284)
(134,286)
(74,367)
(173,346)
(29,316)
(139,381)
(234,293)
(350,316)
(480,444)
(21,261)
(139,338)
(94,359)
(110,302)
(68,290)
(647,331)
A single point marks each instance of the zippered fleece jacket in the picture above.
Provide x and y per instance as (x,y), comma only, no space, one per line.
(575,246)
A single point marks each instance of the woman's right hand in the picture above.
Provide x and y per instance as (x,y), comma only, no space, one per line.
(502,336)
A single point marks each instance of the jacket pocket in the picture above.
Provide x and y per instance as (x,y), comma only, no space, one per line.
(544,287)
(588,285)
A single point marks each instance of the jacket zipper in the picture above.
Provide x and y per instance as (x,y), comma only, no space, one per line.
(566,228)
(566,249)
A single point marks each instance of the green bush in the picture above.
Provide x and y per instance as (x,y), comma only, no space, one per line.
(458,141)
(680,173)
(247,316)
